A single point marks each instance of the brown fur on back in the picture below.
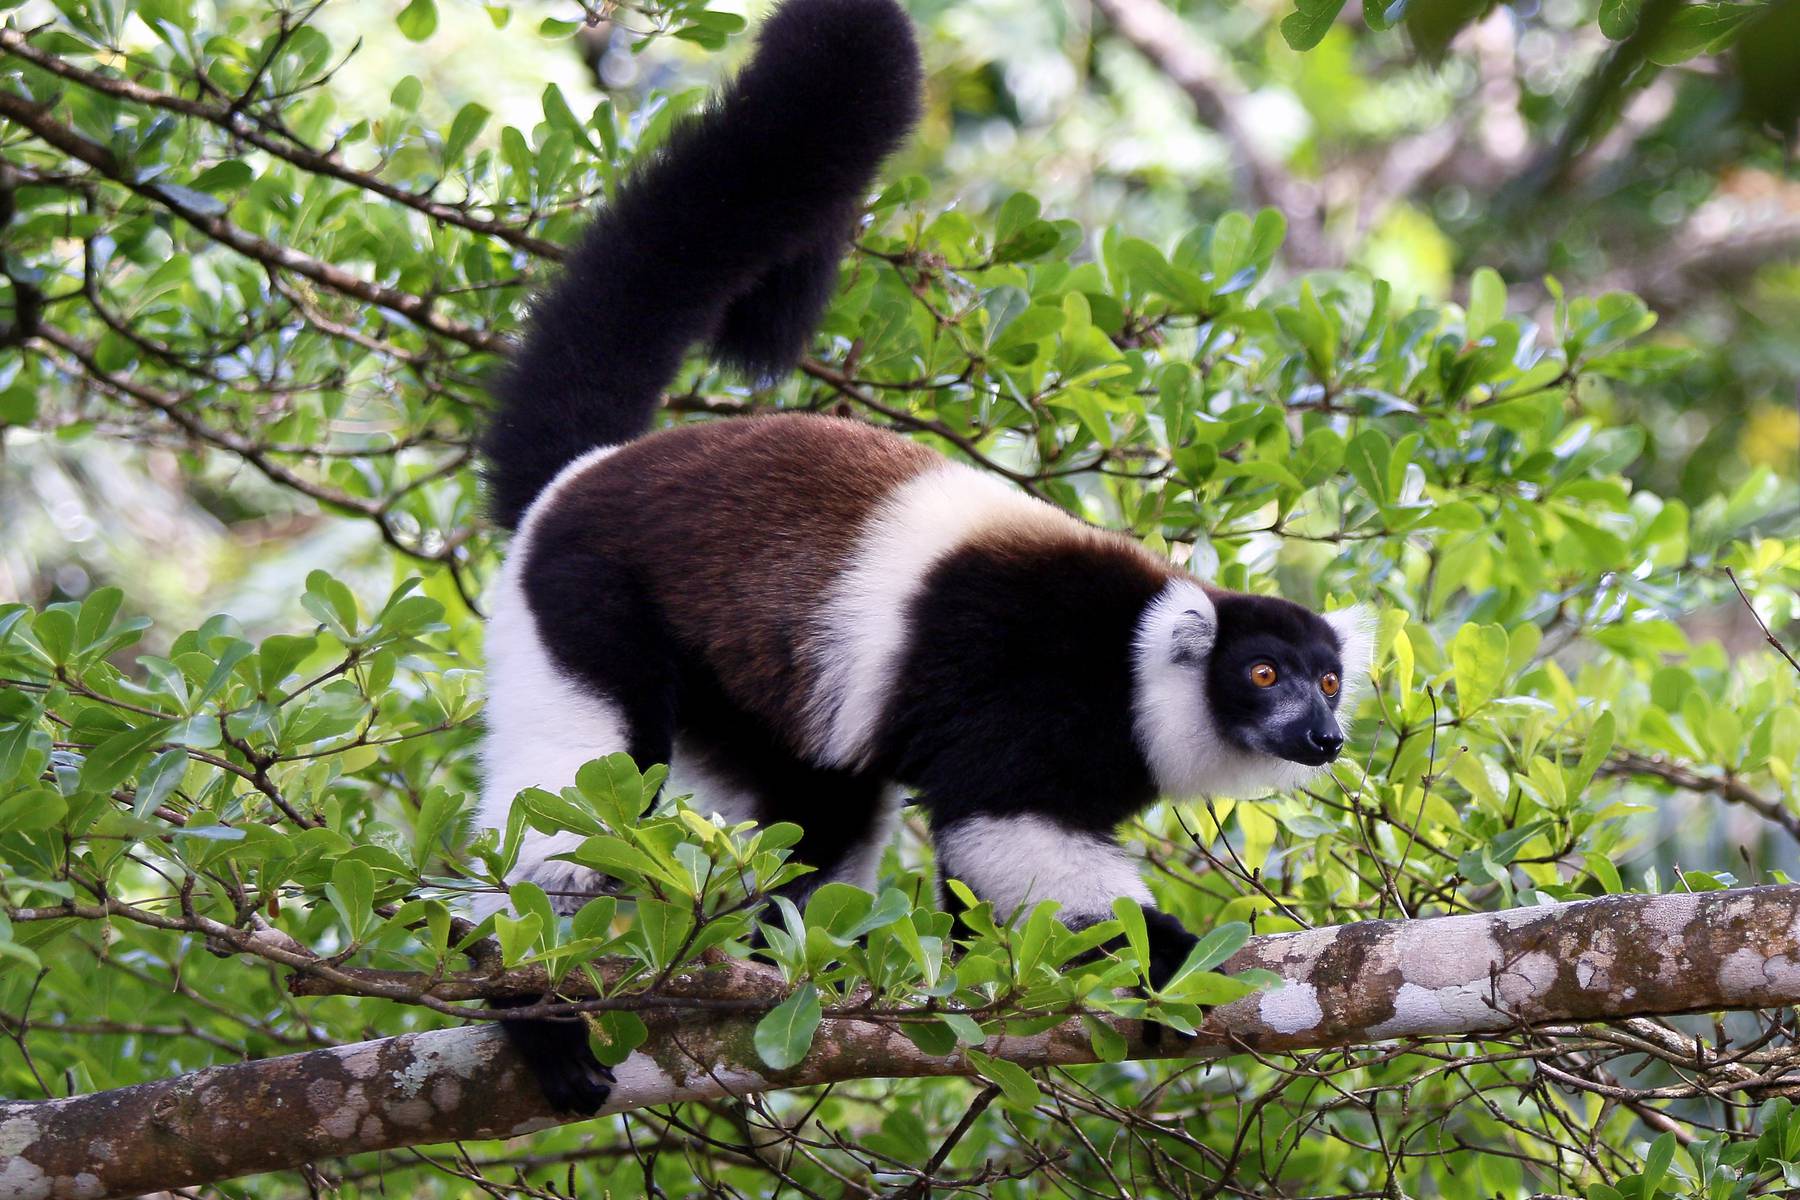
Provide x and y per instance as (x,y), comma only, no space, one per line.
(738,593)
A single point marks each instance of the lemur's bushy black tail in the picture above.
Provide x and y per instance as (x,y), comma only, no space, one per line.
(731,234)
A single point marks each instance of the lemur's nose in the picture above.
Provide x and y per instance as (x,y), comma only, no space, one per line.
(1326,743)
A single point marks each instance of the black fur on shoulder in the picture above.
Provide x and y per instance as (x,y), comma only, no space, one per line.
(731,234)
(1014,695)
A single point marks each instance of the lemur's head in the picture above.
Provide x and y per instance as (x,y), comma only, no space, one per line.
(1239,694)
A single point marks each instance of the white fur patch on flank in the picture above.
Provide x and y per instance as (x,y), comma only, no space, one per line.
(542,725)
(1355,627)
(1171,716)
(1014,862)
(862,630)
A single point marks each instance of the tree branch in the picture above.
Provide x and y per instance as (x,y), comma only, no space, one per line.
(1597,960)
(1770,808)
(1700,259)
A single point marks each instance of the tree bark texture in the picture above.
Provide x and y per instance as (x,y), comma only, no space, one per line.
(1604,959)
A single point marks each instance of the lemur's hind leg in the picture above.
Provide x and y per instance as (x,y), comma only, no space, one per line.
(579,668)
(847,817)
(610,657)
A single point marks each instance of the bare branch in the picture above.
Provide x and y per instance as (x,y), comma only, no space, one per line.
(1629,763)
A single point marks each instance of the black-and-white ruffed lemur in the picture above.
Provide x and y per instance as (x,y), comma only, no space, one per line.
(805,615)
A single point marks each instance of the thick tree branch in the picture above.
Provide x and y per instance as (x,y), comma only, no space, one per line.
(1598,960)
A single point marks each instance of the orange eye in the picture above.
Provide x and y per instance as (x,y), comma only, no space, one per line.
(1329,683)
(1262,675)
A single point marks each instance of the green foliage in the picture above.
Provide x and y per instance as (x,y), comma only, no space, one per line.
(1483,473)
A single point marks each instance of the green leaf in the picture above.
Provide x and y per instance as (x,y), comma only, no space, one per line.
(663,927)
(555,814)
(1656,1163)
(1231,239)
(108,764)
(1599,747)
(785,1035)
(1487,301)
(97,612)
(1218,945)
(1367,457)
(28,810)
(891,909)
(1602,869)
(22,954)
(54,629)
(1479,655)
(968,1031)
(1381,14)
(405,96)
(1267,233)
(18,406)
(1208,988)
(836,908)
(227,176)
(418,21)
(615,788)
(1018,1090)
(1137,933)
(331,602)
(517,935)
(560,115)
(158,780)
(1698,29)
(1310,21)
(1148,269)
(352,892)
(615,856)
(1109,1044)
(1619,18)
(931,1037)
(614,1034)
(469,122)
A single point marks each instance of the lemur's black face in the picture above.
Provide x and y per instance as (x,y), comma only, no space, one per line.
(1273,680)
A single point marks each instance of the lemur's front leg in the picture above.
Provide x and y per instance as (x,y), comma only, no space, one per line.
(1016,860)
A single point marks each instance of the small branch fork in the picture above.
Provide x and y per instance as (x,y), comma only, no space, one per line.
(1760,623)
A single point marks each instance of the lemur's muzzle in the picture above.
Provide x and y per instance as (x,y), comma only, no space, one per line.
(1313,739)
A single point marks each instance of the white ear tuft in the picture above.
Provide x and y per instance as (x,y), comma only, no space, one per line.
(1179,626)
(1193,635)
(1355,628)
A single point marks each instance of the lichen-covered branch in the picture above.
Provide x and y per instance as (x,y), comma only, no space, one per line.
(1598,960)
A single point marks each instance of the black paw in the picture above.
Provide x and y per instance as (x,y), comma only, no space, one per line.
(1158,1036)
(1170,943)
(1169,946)
(556,1050)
